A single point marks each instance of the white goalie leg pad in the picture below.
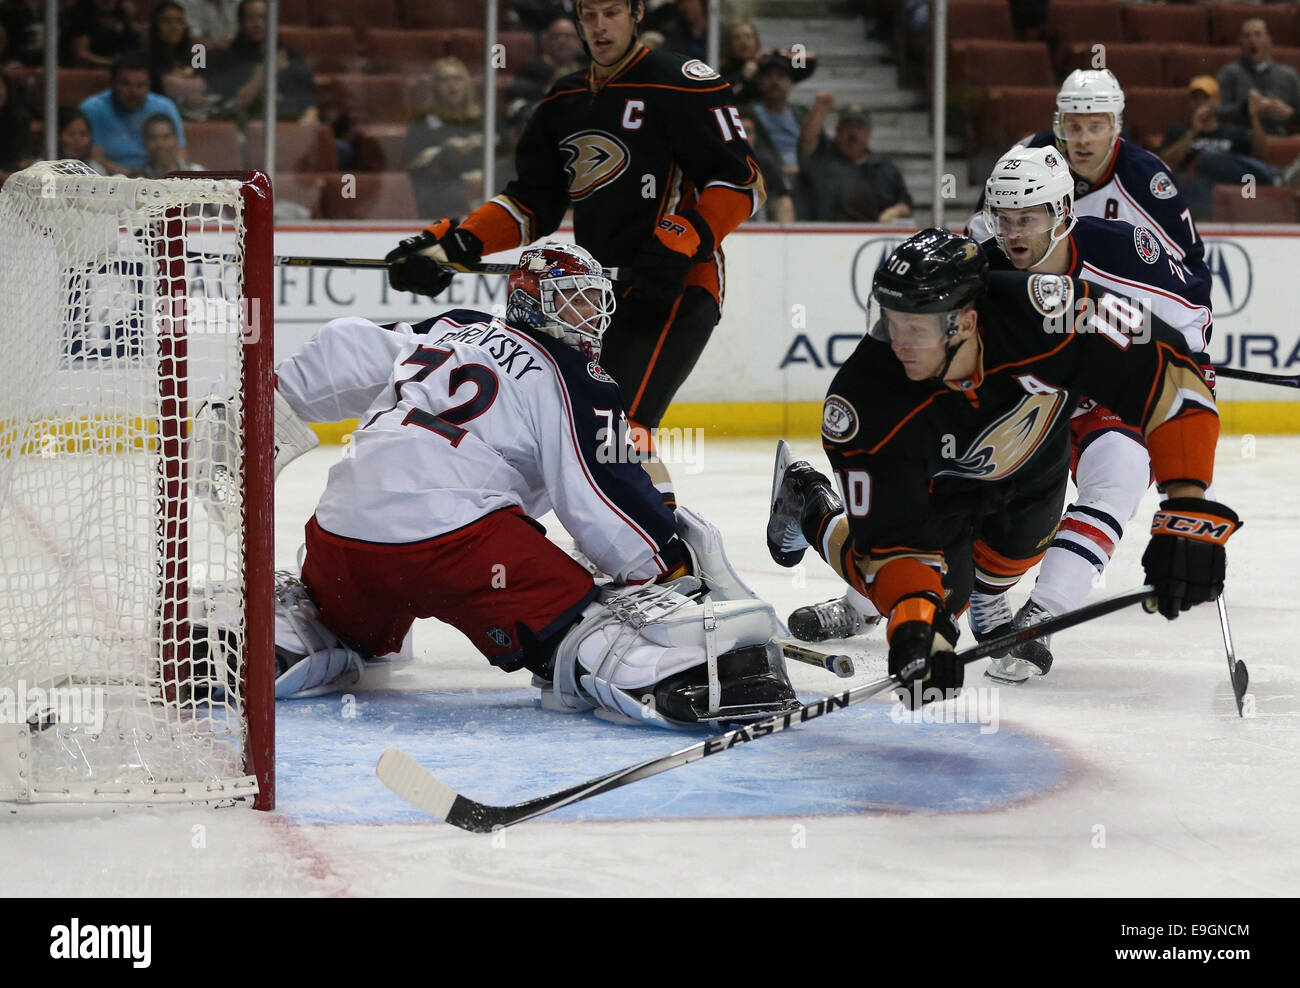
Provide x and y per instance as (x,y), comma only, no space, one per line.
(628,643)
(317,660)
(704,540)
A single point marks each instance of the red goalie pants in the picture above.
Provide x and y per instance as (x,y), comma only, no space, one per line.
(498,580)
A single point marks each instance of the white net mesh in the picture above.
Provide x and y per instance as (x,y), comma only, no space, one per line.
(121,606)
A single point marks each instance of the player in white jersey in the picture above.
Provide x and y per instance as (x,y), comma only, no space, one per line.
(1114,179)
(471,427)
(1028,224)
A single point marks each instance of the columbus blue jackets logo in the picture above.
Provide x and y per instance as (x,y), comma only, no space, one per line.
(598,373)
(499,636)
(695,69)
(595,159)
(1162,186)
(839,420)
(1148,247)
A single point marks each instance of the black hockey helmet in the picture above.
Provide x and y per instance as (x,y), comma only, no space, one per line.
(931,271)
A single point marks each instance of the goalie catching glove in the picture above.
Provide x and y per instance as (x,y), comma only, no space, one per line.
(1185,559)
(921,640)
(659,270)
(417,264)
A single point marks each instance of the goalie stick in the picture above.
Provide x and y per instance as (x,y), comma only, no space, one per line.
(404,776)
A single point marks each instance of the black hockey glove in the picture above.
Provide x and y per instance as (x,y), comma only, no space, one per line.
(804,498)
(921,640)
(416,264)
(1185,560)
(660,268)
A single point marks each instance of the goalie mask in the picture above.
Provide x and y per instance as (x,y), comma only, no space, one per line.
(559,289)
(1025,178)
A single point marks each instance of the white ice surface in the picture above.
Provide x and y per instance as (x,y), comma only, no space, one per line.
(1190,800)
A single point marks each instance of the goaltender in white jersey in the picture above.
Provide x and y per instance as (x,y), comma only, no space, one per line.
(470,427)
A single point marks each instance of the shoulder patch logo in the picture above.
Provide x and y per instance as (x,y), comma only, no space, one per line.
(1148,247)
(1162,186)
(1050,294)
(595,159)
(695,69)
(839,420)
(598,373)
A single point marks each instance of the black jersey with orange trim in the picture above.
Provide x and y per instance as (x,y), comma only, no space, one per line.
(623,153)
(906,453)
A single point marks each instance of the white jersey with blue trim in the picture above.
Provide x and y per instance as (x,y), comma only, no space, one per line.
(1130,261)
(1137,188)
(462,415)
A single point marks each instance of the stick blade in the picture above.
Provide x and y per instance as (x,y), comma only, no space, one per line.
(1240,683)
(404,776)
(779,468)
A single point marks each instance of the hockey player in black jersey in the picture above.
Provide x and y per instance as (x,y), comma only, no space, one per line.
(649,151)
(947,431)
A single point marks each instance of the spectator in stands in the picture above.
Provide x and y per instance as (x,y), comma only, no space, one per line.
(445,146)
(778,121)
(160,140)
(238,75)
(171,62)
(779,207)
(685,27)
(843,182)
(561,54)
(75,142)
(537,15)
(15,129)
(1207,151)
(98,31)
(24,23)
(740,63)
(1278,86)
(214,22)
(117,113)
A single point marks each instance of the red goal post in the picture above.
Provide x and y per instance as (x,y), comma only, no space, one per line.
(136,635)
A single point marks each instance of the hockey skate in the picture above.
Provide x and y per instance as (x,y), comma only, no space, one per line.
(990,617)
(830,619)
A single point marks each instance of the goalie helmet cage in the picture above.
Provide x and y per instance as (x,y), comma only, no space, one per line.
(136,636)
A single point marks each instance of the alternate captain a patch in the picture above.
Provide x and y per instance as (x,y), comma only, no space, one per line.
(839,420)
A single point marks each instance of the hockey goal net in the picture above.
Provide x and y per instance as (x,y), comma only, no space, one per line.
(136,656)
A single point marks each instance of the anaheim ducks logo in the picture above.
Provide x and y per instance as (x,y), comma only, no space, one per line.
(1006,445)
(595,159)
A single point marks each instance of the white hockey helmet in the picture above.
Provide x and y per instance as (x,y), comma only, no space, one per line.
(561,290)
(1026,177)
(1089,91)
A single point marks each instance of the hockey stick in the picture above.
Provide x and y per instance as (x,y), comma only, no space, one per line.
(374,262)
(1236,668)
(1244,375)
(400,773)
(841,665)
